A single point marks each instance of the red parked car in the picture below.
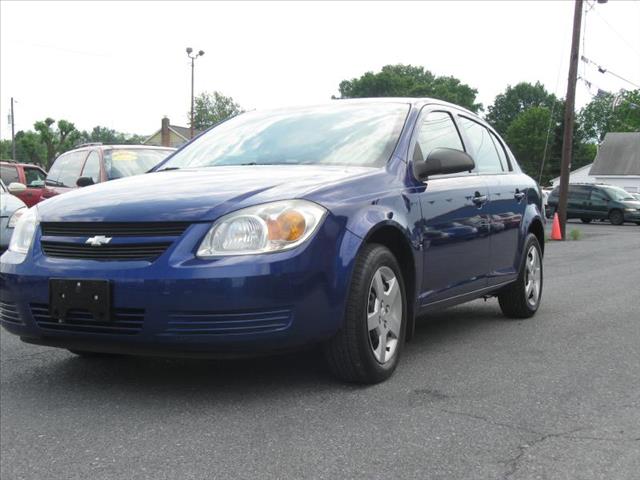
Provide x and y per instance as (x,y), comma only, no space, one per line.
(95,163)
(30,175)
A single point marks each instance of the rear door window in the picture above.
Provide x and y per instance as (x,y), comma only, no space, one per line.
(485,153)
(501,152)
(579,193)
(9,174)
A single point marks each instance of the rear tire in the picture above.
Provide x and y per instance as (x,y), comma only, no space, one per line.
(522,298)
(368,347)
(616,217)
(585,220)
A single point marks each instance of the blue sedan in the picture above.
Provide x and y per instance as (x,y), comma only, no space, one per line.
(336,224)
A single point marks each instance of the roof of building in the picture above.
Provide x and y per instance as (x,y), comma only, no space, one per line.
(619,154)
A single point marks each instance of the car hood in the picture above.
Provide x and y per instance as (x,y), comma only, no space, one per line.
(191,194)
(9,204)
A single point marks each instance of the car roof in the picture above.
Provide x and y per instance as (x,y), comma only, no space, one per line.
(413,101)
(119,147)
(19,164)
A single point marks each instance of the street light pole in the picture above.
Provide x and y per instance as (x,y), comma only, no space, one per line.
(13,134)
(193,59)
(569,118)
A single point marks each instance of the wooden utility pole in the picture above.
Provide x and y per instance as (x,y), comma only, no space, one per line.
(569,117)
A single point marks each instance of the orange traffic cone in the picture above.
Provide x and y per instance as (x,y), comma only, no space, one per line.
(555,229)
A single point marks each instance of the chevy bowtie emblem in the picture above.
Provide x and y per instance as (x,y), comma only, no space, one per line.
(98,240)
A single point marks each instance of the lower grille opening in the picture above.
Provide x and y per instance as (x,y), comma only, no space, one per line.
(126,321)
(220,323)
(9,313)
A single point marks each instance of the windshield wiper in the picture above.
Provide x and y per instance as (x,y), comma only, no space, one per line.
(166,169)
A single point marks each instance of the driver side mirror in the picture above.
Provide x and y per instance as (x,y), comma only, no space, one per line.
(442,161)
(16,187)
(84,182)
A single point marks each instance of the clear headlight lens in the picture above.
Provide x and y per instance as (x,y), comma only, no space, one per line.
(270,227)
(24,231)
(15,217)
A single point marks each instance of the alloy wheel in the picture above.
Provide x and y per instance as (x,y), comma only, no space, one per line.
(384,314)
(533,277)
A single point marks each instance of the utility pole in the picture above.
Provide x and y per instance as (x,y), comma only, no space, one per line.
(13,134)
(569,118)
(193,59)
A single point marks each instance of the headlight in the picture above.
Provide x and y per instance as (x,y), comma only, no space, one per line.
(15,217)
(24,230)
(270,227)
(631,209)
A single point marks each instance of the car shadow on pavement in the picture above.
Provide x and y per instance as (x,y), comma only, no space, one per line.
(203,380)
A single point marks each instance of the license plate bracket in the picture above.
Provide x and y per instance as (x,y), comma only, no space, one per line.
(93,296)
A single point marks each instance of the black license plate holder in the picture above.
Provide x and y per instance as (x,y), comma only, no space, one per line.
(93,296)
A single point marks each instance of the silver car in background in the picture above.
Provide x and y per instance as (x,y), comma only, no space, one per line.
(11,208)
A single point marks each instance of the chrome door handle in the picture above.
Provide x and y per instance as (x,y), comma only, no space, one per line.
(480,199)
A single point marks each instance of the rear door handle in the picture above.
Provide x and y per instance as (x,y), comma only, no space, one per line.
(480,200)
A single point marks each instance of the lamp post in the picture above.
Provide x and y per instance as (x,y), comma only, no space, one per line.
(193,58)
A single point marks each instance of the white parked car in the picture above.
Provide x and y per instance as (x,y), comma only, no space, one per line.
(11,208)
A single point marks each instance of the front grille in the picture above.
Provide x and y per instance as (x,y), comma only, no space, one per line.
(216,323)
(9,313)
(143,251)
(126,321)
(113,229)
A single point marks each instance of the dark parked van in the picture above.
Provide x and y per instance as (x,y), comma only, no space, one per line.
(597,202)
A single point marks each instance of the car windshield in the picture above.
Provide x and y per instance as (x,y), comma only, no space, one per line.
(133,161)
(337,134)
(618,194)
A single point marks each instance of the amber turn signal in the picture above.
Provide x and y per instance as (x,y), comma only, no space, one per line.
(289,226)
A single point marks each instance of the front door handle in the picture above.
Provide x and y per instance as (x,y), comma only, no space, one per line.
(479,200)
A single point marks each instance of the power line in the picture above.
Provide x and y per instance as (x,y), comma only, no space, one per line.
(602,69)
(629,44)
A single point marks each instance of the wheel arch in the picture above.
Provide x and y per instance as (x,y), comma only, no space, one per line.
(394,238)
(537,228)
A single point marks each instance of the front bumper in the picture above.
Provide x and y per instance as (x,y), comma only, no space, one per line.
(182,305)
(632,216)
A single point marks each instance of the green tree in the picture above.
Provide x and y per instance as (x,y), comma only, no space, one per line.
(30,149)
(527,138)
(410,81)
(515,100)
(5,150)
(57,140)
(109,136)
(212,108)
(607,112)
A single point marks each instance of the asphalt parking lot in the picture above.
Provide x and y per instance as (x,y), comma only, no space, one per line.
(476,397)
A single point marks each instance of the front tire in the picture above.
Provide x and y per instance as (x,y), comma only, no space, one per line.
(616,217)
(367,348)
(522,298)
